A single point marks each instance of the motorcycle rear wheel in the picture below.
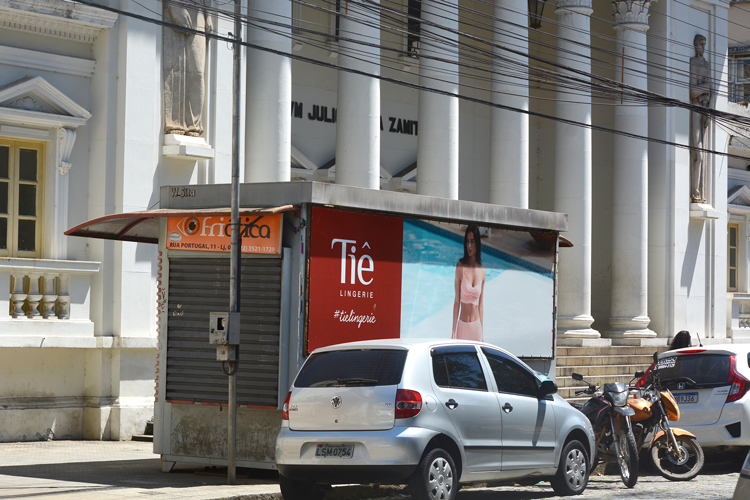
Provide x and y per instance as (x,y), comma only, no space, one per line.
(628,457)
(682,468)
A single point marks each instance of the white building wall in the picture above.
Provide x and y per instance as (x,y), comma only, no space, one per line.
(48,405)
(661,173)
(219,111)
(118,166)
(699,265)
(103,389)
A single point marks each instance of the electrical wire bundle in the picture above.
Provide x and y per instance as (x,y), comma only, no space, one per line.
(530,59)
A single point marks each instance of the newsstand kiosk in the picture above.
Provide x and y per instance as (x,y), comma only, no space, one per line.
(321,264)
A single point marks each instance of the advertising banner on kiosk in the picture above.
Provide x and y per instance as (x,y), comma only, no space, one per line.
(375,276)
(261,234)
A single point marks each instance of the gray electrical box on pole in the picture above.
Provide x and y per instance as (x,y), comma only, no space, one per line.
(224,331)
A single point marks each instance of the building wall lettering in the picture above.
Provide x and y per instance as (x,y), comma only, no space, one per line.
(324,114)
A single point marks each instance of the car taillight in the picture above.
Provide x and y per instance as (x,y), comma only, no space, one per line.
(408,403)
(285,408)
(642,381)
(740,384)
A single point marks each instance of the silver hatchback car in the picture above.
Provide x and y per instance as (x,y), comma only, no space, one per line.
(433,414)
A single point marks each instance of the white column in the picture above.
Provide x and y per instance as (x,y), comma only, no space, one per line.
(358,103)
(509,140)
(437,155)
(573,172)
(268,128)
(629,316)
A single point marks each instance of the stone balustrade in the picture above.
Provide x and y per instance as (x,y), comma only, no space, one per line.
(738,312)
(42,289)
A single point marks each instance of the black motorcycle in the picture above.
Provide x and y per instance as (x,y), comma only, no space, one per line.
(609,415)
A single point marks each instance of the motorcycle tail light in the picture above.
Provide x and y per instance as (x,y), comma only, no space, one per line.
(740,384)
(408,403)
(285,408)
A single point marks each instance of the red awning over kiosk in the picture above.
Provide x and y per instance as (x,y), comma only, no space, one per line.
(143,227)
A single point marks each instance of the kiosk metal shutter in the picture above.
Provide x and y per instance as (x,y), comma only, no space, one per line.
(198,286)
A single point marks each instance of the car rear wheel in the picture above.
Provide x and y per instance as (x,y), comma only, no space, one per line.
(292,489)
(435,477)
(573,472)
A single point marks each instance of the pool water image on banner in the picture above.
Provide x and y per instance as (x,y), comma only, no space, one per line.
(517,299)
(376,276)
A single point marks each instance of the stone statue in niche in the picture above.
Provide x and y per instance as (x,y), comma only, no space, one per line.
(701,94)
(184,63)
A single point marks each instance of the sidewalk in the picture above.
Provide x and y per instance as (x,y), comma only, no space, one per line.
(112,470)
(116,470)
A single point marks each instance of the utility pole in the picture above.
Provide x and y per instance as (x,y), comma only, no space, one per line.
(235,252)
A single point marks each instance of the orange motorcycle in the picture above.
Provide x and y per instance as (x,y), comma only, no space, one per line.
(674,452)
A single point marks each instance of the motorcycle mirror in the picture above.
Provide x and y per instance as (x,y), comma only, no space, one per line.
(639,374)
(577,376)
(656,356)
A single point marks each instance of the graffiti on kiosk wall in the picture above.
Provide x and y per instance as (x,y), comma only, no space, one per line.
(325,114)
(375,276)
(260,233)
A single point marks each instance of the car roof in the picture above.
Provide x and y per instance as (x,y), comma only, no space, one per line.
(406,344)
(710,349)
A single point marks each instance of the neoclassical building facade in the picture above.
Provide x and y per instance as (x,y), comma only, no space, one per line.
(460,99)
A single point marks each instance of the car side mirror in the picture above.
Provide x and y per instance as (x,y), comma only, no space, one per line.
(548,387)
(577,376)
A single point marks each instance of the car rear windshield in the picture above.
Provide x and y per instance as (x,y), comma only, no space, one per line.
(363,367)
(706,370)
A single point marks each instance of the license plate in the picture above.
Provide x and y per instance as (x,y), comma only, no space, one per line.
(335,450)
(686,397)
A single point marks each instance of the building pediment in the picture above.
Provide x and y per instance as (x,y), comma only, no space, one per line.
(739,196)
(35,101)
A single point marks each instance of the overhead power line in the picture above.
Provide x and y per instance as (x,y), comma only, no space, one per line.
(580,81)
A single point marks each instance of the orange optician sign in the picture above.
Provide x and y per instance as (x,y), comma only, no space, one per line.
(212,233)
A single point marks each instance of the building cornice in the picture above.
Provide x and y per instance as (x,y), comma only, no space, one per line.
(56,18)
(45,61)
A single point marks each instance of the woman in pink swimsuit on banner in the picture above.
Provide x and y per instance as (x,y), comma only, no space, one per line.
(468,306)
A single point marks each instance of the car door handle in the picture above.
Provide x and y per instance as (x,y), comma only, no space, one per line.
(451,404)
(507,408)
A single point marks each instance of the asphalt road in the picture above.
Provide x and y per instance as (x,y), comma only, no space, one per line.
(704,487)
(716,482)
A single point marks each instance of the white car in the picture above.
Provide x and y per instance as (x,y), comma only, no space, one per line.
(711,386)
(742,490)
(429,413)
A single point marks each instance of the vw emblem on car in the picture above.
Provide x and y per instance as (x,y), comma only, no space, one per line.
(336,402)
